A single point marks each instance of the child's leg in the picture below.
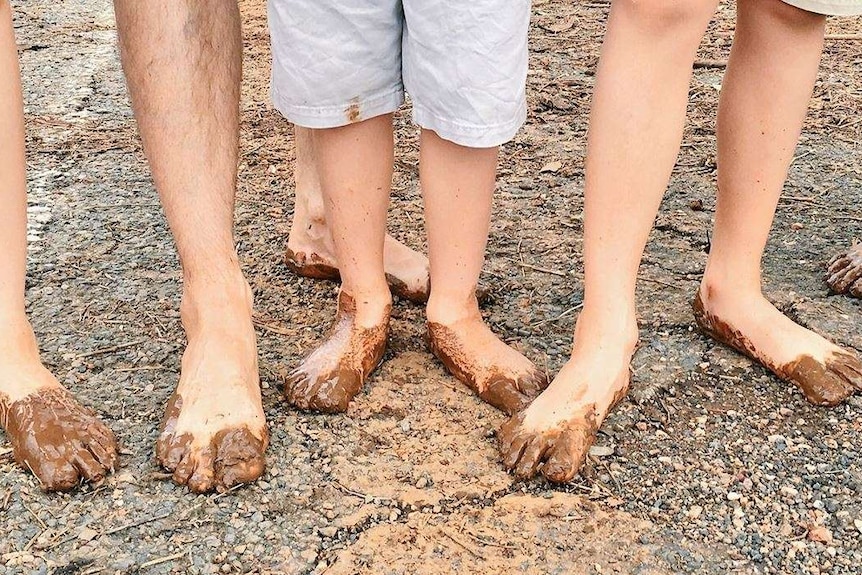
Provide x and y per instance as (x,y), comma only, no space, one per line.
(355,169)
(635,131)
(310,251)
(51,434)
(465,67)
(773,65)
(457,185)
(845,271)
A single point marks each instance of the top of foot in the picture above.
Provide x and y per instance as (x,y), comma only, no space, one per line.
(826,373)
(496,372)
(335,371)
(60,441)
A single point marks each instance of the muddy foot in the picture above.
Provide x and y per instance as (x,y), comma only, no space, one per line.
(60,441)
(331,375)
(554,434)
(406,269)
(497,373)
(213,434)
(845,272)
(826,373)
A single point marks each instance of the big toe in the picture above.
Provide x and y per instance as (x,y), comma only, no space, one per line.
(53,473)
(568,454)
(240,457)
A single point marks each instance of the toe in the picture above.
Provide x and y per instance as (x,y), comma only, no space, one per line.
(503,393)
(843,278)
(54,473)
(186,468)
(334,395)
(171,449)
(240,457)
(849,368)
(533,384)
(202,478)
(105,451)
(87,465)
(568,454)
(856,289)
(512,451)
(838,264)
(532,457)
(297,388)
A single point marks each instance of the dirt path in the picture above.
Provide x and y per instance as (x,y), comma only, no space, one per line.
(712,466)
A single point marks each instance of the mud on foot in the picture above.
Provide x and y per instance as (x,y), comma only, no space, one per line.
(208,448)
(496,372)
(553,435)
(826,373)
(60,441)
(406,269)
(335,371)
(845,272)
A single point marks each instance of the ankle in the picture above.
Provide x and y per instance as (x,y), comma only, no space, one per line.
(616,328)
(17,340)
(219,299)
(371,306)
(449,308)
(717,288)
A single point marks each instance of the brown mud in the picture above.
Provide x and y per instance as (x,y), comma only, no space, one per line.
(335,371)
(844,274)
(826,384)
(506,388)
(558,452)
(60,441)
(233,456)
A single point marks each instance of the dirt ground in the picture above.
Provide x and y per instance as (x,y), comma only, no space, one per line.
(711,466)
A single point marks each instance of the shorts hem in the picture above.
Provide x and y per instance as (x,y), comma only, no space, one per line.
(351,112)
(828,8)
(470,135)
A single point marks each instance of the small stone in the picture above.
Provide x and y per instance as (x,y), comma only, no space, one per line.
(87,534)
(858,524)
(421,483)
(797,226)
(601,450)
(820,534)
(696,205)
(694,511)
(733,496)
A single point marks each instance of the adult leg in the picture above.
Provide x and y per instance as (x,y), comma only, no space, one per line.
(635,131)
(845,271)
(310,249)
(457,185)
(52,435)
(770,76)
(355,167)
(183,64)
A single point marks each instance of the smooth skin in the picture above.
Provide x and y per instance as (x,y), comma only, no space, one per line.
(635,132)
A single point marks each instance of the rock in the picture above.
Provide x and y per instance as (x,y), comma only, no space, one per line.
(601,450)
(820,534)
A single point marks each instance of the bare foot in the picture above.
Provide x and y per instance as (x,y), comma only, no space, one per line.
(845,271)
(555,433)
(60,441)
(213,434)
(497,373)
(331,375)
(826,373)
(310,253)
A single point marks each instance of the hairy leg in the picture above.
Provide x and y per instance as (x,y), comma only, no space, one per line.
(770,76)
(458,185)
(635,131)
(355,167)
(183,63)
(52,435)
(310,249)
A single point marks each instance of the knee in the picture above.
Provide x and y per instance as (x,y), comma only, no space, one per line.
(666,16)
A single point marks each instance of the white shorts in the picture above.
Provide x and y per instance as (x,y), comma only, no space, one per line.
(829,7)
(463,63)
